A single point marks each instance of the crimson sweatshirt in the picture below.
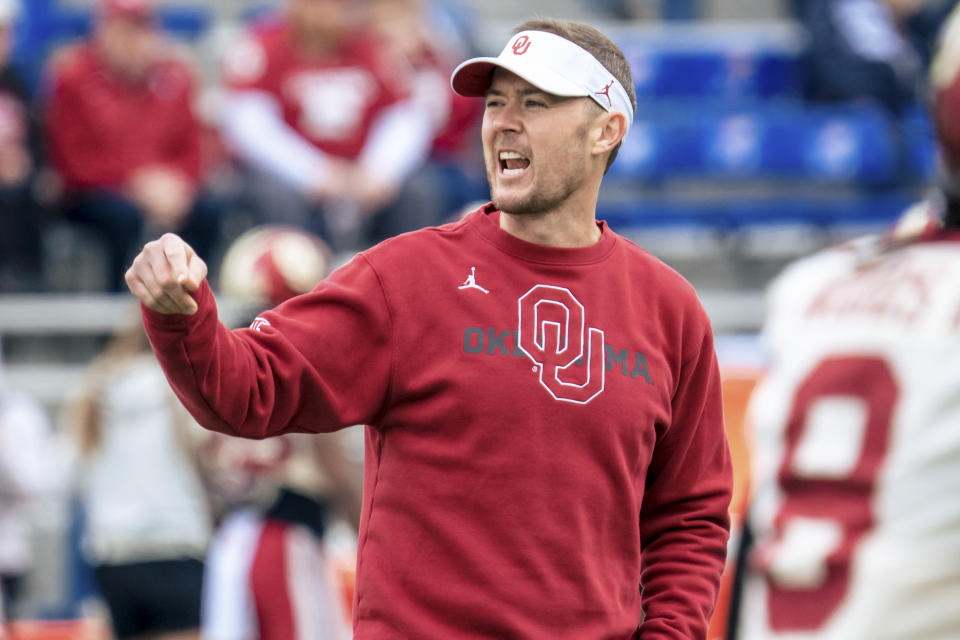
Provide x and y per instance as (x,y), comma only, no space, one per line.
(545,455)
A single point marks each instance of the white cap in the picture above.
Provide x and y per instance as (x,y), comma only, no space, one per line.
(551,63)
(9,11)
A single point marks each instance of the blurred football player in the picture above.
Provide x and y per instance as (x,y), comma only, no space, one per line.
(281,565)
(855,516)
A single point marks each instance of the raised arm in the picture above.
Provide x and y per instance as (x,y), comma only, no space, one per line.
(318,362)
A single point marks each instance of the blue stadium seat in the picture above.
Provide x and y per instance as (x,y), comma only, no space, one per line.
(659,74)
(717,64)
(187,22)
(853,144)
(774,140)
(920,144)
(730,215)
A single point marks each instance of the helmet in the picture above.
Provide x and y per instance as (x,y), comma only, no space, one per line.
(240,470)
(945,80)
(271,263)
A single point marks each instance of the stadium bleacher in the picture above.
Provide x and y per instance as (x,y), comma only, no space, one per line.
(720,106)
(724,149)
(725,144)
(853,145)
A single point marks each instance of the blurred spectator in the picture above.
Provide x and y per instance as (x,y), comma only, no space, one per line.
(427,39)
(323,118)
(875,49)
(27,472)
(124,137)
(20,247)
(148,522)
(273,571)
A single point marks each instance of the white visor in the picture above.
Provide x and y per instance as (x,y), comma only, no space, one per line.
(551,63)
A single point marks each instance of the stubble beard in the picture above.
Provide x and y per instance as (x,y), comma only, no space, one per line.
(545,198)
(540,199)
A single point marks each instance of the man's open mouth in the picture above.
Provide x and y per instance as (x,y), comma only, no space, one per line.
(512,163)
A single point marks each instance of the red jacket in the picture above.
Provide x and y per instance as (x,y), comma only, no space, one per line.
(545,432)
(103,127)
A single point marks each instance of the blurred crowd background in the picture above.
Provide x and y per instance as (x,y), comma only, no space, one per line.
(766,129)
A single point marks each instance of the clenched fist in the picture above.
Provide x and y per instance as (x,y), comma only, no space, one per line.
(164,273)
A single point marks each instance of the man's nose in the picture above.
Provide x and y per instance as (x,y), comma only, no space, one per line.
(507,118)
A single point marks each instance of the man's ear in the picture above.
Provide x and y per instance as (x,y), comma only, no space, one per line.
(611,128)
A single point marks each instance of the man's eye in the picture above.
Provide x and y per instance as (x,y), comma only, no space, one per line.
(535,103)
(493,103)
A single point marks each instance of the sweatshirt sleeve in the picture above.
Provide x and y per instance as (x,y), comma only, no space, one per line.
(684,519)
(318,362)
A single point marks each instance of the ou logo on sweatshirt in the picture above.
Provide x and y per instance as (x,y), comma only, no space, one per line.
(552,331)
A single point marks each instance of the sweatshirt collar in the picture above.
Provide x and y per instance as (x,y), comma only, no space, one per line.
(486,221)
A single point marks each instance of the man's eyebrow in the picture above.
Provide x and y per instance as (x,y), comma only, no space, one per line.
(534,90)
(522,92)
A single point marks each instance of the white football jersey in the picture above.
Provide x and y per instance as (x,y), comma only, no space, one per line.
(856,449)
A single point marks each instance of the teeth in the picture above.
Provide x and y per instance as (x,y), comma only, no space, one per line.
(510,155)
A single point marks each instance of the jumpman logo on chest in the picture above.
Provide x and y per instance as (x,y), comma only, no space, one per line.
(471,281)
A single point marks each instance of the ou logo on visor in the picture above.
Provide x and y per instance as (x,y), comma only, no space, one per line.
(520,45)
(552,332)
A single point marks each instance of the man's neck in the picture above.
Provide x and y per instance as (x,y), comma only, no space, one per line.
(573,224)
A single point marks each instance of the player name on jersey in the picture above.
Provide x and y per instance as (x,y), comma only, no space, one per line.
(899,289)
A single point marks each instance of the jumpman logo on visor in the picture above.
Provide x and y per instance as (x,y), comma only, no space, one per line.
(605,92)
